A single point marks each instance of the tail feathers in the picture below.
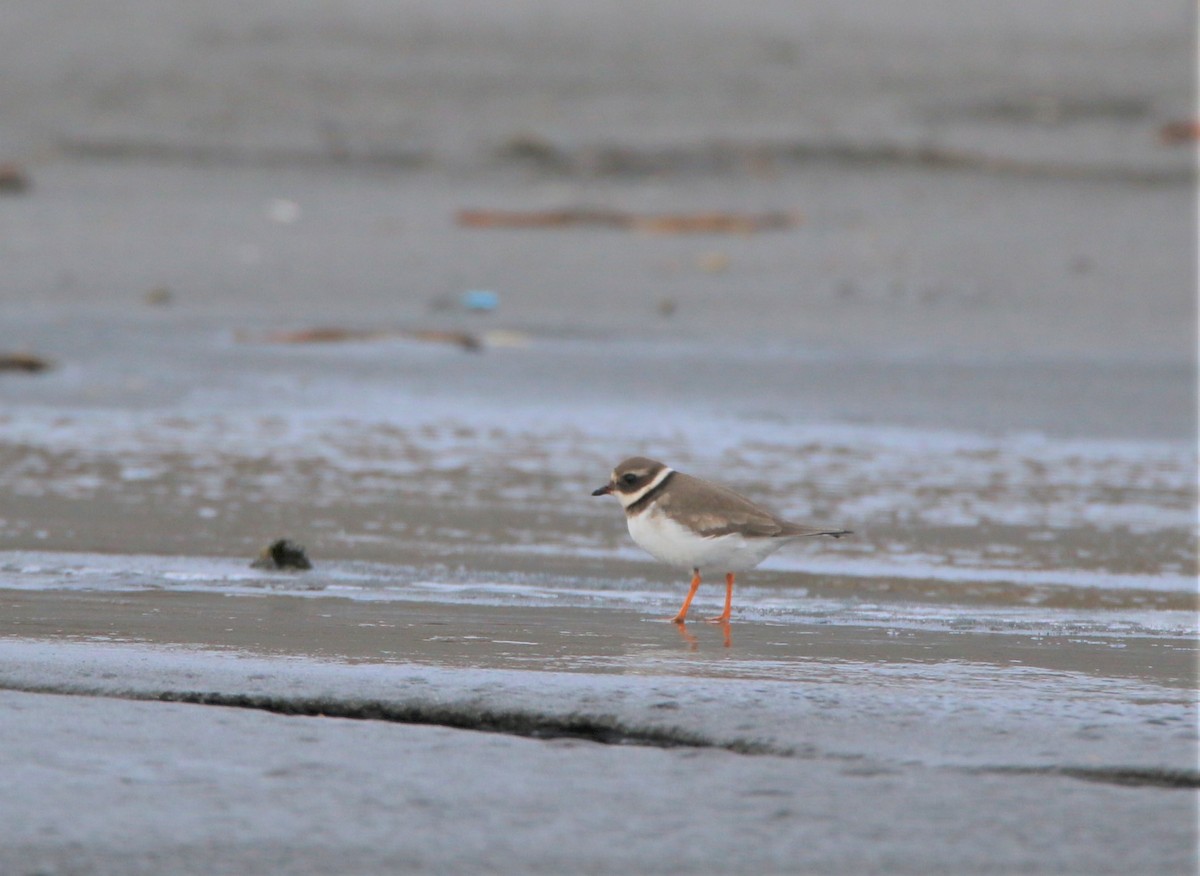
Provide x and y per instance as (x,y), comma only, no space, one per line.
(794,529)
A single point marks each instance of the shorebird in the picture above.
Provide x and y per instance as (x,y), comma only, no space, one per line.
(694,524)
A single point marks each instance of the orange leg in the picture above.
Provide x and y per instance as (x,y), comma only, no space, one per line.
(723,617)
(682,616)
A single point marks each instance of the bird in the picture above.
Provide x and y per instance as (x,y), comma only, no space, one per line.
(690,523)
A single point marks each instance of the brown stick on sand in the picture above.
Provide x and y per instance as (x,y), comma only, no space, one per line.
(709,222)
(27,362)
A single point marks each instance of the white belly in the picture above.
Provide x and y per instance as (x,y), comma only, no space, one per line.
(666,540)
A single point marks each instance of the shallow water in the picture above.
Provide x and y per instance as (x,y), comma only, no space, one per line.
(481,490)
(397,453)
(459,530)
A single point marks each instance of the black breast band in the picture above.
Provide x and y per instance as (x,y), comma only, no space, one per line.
(638,506)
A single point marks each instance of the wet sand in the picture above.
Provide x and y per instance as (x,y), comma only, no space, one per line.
(844,764)
(977,350)
(574,639)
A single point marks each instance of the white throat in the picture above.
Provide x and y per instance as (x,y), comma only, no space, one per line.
(628,499)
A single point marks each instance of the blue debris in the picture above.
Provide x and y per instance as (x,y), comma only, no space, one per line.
(480,299)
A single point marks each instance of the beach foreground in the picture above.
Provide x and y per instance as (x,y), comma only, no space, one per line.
(906,764)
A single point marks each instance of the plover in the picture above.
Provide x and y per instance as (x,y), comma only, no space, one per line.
(688,522)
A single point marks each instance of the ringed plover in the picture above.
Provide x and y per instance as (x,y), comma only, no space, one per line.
(688,522)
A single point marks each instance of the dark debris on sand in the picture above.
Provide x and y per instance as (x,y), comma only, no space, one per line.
(282,555)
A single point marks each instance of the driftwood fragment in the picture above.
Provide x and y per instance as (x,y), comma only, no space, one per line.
(707,222)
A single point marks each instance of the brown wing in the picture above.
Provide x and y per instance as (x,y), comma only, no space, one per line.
(727,512)
(724,511)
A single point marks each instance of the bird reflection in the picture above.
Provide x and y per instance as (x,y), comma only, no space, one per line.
(693,643)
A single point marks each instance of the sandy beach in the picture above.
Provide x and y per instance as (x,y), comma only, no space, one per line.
(244,304)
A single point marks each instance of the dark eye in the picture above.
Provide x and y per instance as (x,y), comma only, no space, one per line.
(630,478)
